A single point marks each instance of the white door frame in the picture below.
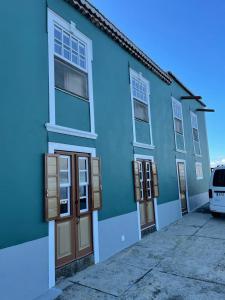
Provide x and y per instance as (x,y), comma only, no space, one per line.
(52,147)
(140,156)
(178,183)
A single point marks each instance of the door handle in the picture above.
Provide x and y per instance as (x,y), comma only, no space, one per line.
(78,220)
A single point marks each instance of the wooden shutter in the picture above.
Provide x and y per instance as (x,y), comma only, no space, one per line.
(52,206)
(137,184)
(155,185)
(96,183)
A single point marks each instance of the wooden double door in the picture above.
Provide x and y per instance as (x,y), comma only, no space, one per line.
(73,228)
(146,203)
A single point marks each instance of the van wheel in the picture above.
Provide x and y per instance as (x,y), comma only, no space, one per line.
(215,214)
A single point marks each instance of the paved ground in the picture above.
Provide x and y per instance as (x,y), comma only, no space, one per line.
(186,260)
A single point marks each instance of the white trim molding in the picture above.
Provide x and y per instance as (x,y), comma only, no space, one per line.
(53,19)
(70,131)
(142,145)
(52,147)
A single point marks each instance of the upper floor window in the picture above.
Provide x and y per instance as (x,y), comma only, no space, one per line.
(71,72)
(139,89)
(178,125)
(195,133)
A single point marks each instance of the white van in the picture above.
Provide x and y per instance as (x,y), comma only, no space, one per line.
(217,191)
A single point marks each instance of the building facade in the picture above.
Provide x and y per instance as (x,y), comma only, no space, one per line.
(99,144)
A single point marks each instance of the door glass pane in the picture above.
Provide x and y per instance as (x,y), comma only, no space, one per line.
(83,204)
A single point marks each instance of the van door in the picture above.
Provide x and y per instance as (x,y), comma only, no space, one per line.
(218,186)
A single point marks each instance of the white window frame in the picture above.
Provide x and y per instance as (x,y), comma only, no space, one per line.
(140,77)
(67,185)
(199,165)
(84,183)
(54,19)
(193,115)
(176,102)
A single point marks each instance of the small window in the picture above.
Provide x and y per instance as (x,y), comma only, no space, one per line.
(198,169)
(141,111)
(219,178)
(70,79)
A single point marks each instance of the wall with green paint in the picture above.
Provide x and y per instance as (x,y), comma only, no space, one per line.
(72,111)
(23,113)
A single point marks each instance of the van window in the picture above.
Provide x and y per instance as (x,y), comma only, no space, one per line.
(219,178)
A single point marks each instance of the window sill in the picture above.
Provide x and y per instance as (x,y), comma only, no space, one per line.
(198,155)
(181,151)
(142,145)
(70,131)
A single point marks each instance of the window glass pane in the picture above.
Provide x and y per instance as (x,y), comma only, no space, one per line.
(219,178)
(141,111)
(58,33)
(75,58)
(195,134)
(82,62)
(75,45)
(58,48)
(70,79)
(66,39)
(66,53)
(178,126)
(83,176)
(64,178)
(83,190)
(82,164)
(63,163)
(81,49)
(64,192)
(83,203)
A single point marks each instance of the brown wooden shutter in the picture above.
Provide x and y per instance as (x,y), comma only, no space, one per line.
(52,206)
(155,184)
(96,183)
(137,185)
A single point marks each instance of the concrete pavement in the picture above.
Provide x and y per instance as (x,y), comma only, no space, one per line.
(186,260)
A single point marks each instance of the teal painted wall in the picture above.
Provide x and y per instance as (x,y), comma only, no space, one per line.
(142,132)
(25,112)
(72,111)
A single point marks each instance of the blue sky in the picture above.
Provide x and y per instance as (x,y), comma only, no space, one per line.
(186,37)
